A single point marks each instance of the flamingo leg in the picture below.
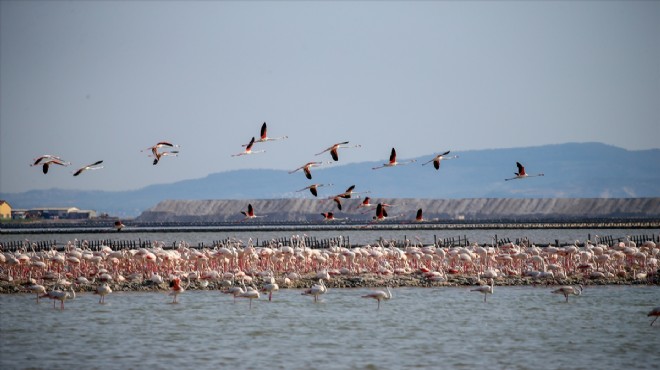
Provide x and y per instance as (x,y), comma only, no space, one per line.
(654,320)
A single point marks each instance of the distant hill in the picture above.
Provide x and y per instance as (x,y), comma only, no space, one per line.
(574,170)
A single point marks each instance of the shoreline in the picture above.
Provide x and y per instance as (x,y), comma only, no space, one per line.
(416,280)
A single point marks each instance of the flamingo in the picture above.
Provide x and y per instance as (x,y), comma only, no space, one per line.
(329,216)
(270,288)
(333,149)
(567,290)
(521,174)
(316,290)
(306,168)
(93,166)
(103,290)
(177,289)
(379,295)
(236,291)
(349,192)
(160,144)
(60,296)
(381,213)
(250,293)
(46,164)
(366,203)
(418,217)
(337,200)
(248,149)
(38,290)
(654,312)
(440,157)
(173,153)
(485,289)
(250,213)
(264,136)
(119,225)
(313,188)
(393,162)
(38,160)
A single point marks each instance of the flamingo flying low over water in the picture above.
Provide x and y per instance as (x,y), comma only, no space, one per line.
(379,295)
(521,174)
(440,157)
(306,168)
(393,162)
(93,166)
(333,149)
(119,225)
(250,213)
(264,136)
(418,216)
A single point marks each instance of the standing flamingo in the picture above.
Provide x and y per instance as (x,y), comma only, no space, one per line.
(264,136)
(38,290)
(60,296)
(440,157)
(271,287)
(250,293)
(175,285)
(103,290)
(93,166)
(313,188)
(485,289)
(521,174)
(654,312)
(306,168)
(567,290)
(248,149)
(379,295)
(393,162)
(316,290)
(333,149)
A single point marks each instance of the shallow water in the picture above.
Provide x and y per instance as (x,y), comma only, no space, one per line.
(451,328)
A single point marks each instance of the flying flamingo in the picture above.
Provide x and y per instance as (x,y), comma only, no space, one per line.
(654,312)
(157,155)
(306,168)
(333,149)
(393,161)
(250,213)
(381,213)
(521,174)
(567,290)
(46,162)
(264,136)
(248,149)
(337,201)
(38,160)
(440,157)
(485,289)
(119,225)
(93,166)
(316,290)
(349,192)
(329,216)
(418,217)
(379,295)
(160,144)
(313,188)
(103,290)
(366,203)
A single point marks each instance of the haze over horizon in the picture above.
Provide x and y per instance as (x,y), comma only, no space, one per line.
(103,80)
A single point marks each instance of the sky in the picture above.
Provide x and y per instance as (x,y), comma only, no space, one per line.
(91,81)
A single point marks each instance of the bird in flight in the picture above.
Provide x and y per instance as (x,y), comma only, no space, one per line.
(264,136)
(306,168)
(521,174)
(250,213)
(93,166)
(173,153)
(440,157)
(45,165)
(38,160)
(419,217)
(329,216)
(333,149)
(393,162)
(248,149)
(160,144)
(313,188)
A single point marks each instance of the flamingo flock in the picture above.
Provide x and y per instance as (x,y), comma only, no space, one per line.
(243,270)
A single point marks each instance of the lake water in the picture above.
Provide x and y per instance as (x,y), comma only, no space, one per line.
(427,328)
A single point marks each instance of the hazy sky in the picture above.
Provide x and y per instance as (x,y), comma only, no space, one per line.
(102,80)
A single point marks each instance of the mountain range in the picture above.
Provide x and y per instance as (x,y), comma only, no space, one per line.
(571,170)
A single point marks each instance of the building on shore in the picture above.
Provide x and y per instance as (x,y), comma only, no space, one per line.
(53,213)
(5,210)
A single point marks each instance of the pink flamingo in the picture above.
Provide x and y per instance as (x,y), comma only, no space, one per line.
(46,163)
(157,155)
(393,162)
(418,217)
(379,295)
(250,213)
(93,166)
(440,157)
(568,290)
(264,136)
(306,168)
(521,174)
(103,290)
(316,290)
(313,188)
(485,289)
(333,149)
(248,149)
(119,225)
